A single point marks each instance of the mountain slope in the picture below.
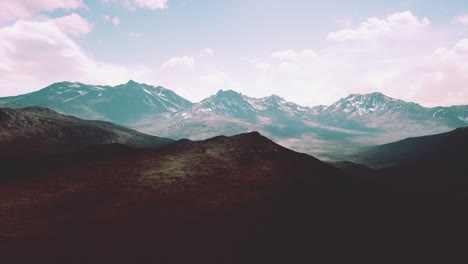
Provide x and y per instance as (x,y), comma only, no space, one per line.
(451,146)
(40,130)
(122,104)
(224,198)
(240,199)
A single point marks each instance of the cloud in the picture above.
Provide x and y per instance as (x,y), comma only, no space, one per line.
(134,35)
(458,51)
(116,21)
(293,55)
(35,54)
(20,9)
(343,21)
(439,80)
(263,66)
(285,55)
(145,4)
(73,24)
(151,4)
(307,54)
(216,78)
(207,52)
(397,24)
(184,62)
(463,19)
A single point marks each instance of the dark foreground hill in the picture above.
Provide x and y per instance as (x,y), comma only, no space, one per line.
(240,199)
(40,130)
(224,200)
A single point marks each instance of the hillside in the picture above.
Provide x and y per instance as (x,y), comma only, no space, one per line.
(40,130)
(450,146)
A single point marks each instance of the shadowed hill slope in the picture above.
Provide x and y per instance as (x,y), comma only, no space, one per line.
(40,130)
(239,199)
(448,146)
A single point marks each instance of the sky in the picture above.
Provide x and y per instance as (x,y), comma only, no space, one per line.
(306,51)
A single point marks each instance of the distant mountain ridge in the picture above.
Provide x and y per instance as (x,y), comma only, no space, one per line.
(323,131)
(121,104)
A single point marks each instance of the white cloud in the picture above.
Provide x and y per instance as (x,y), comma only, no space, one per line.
(307,54)
(397,24)
(285,55)
(263,66)
(184,62)
(116,21)
(73,24)
(463,19)
(151,4)
(134,35)
(20,9)
(293,55)
(216,78)
(35,54)
(459,50)
(147,4)
(343,21)
(207,52)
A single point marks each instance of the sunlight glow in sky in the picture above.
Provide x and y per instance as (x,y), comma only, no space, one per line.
(306,51)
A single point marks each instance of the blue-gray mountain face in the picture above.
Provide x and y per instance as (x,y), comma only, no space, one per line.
(324,131)
(122,104)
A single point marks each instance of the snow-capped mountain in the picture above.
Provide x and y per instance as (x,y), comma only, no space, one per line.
(123,104)
(374,103)
(352,121)
(226,103)
(257,110)
(377,110)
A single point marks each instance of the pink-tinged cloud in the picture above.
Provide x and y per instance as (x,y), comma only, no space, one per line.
(146,4)
(134,35)
(263,66)
(20,9)
(293,55)
(116,21)
(397,24)
(184,62)
(73,24)
(438,83)
(151,4)
(460,50)
(207,52)
(463,19)
(216,78)
(34,54)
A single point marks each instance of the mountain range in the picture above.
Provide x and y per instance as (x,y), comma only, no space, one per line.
(328,132)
